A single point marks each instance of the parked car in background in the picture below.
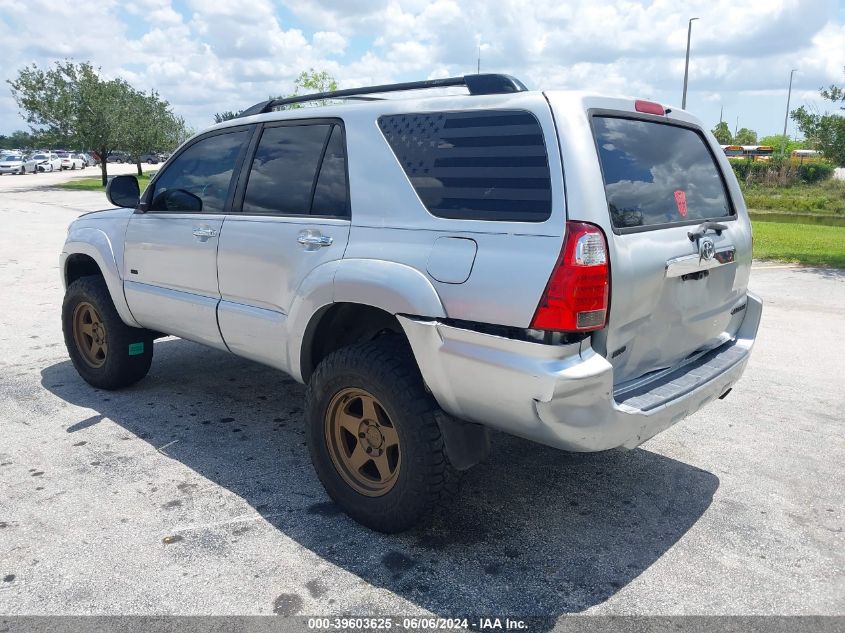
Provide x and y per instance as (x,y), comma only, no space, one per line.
(43,161)
(89,159)
(73,161)
(118,157)
(12,164)
(152,158)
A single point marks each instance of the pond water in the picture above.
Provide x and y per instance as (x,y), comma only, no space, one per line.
(825,220)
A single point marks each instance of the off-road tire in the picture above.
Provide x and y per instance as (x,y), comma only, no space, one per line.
(426,481)
(130,349)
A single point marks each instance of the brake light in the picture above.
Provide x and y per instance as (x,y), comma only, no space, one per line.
(649,107)
(577,294)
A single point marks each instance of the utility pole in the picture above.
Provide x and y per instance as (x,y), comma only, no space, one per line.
(786,116)
(478,44)
(686,65)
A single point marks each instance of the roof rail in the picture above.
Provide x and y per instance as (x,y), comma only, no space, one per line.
(488,84)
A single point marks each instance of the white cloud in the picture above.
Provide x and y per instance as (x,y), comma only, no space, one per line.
(225,54)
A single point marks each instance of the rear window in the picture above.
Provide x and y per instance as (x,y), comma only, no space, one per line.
(479,165)
(657,174)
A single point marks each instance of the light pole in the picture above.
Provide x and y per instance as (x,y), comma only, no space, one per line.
(686,65)
(786,116)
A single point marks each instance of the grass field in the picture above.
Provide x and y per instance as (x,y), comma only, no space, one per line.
(823,198)
(809,244)
(96,184)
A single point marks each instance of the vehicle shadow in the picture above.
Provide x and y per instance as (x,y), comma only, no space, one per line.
(826,273)
(535,531)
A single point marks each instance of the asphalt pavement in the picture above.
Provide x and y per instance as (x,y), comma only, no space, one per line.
(192,492)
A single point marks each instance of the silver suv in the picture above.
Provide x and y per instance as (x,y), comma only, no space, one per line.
(568,268)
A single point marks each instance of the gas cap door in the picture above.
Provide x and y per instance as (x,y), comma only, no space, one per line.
(451,259)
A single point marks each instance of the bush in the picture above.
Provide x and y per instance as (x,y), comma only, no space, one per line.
(814,172)
(780,172)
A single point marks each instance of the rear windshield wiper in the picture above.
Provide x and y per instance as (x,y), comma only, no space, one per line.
(702,229)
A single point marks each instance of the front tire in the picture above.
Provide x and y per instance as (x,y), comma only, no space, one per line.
(106,352)
(374,438)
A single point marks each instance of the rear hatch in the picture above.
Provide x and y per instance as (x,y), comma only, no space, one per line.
(651,182)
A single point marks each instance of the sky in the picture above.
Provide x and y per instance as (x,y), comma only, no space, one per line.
(206,56)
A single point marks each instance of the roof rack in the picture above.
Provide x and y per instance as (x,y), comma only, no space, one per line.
(487,84)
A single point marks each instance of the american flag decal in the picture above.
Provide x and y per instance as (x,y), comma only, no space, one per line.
(481,165)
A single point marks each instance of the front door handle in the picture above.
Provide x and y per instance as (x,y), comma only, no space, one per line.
(204,233)
(313,240)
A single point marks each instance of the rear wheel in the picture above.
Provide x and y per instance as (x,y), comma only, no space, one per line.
(374,438)
(105,351)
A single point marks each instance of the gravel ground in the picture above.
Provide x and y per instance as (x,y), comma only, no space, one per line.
(192,493)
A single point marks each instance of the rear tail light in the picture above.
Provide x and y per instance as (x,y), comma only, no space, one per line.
(576,297)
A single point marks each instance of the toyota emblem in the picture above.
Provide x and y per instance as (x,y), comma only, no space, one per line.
(706,249)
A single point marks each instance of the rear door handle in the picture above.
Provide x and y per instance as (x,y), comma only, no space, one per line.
(313,240)
(204,233)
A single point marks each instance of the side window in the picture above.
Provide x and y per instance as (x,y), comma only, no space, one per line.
(330,194)
(283,172)
(198,180)
(479,165)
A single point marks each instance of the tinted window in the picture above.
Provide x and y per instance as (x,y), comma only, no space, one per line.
(199,178)
(282,176)
(330,192)
(657,174)
(488,165)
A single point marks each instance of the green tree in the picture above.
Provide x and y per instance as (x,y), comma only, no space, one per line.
(723,133)
(745,137)
(149,126)
(226,115)
(310,82)
(776,141)
(825,132)
(71,103)
(19,140)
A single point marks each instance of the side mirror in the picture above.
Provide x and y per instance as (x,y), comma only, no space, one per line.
(181,200)
(123,191)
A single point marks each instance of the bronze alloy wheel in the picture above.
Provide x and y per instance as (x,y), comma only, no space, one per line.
(89,334)
(362,441)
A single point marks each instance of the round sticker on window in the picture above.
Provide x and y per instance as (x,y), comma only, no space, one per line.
(681,201)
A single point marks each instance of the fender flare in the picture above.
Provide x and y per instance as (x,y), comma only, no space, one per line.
(96,244)
(392,287)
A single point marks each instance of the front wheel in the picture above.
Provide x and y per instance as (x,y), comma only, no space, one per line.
(106,352)
(374,438)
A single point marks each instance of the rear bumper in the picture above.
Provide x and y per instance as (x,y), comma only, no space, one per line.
(563,396)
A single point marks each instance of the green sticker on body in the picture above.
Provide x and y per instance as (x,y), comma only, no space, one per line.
(136,348)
